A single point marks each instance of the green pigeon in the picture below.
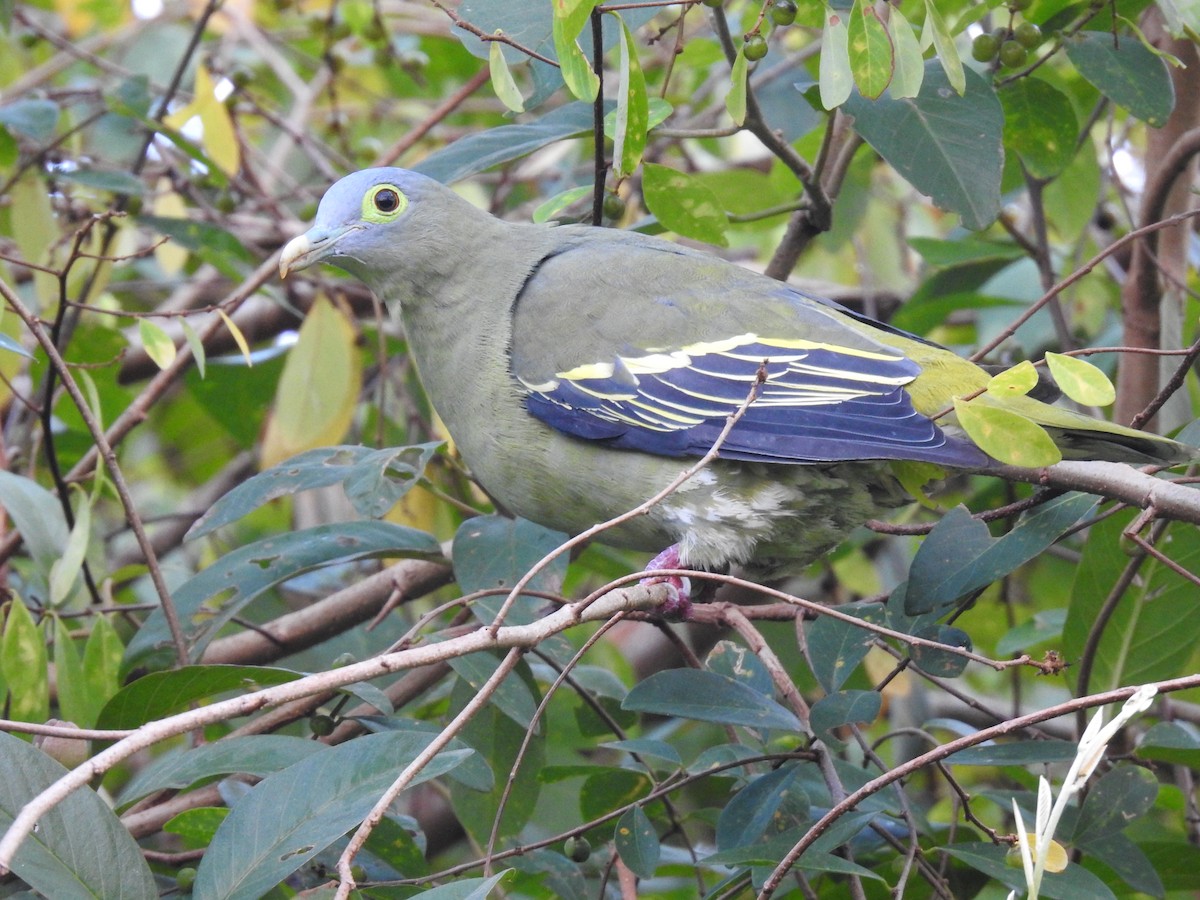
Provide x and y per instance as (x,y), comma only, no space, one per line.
(578,369)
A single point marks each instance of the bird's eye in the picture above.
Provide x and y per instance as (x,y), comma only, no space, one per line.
(387,200)
(383,203)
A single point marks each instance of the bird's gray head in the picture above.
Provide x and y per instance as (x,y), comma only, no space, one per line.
(362,221)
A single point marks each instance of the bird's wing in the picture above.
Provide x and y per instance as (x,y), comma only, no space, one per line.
(821,399)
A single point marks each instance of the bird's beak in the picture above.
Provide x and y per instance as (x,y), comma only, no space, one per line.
(308,249)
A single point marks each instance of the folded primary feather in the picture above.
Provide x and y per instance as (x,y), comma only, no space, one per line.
(574,366)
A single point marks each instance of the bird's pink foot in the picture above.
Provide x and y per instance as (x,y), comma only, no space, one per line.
(679,589)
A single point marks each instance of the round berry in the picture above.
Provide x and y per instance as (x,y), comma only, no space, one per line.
(1018,5)
(783,12)
(1012,54)
(1028,35)
(613,206)
(755,47)
(322,726)
(985,47)
(185,878)
(577,849)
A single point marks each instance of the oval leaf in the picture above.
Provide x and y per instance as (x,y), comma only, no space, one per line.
(709,697)
(637,843)
(872,57)
(502,79)
(836,78)
(1005,436)
(684,205)
(1080,380)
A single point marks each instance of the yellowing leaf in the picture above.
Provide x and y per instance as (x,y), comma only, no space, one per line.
(65,570)
(31,224)
(735,100)
(219,139)
(1017,381)
(318,389)
(169,205)
(502,78)
(872,57)
(194,344)
(238,337)
(834,77)
(1006,436)
(569,18)
(24,665)
(910,66)
(157,343)
(943,43)
(633,109)
(1080,380)
(914,477)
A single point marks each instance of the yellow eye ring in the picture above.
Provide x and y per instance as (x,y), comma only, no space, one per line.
(383,203)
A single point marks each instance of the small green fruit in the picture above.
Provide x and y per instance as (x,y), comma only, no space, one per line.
(755,47)
(185,878)
(613,206)
(1028,35)
(577,849)
(1013,55)
(322,726)
(783,12)
(984,48)
(1018,5)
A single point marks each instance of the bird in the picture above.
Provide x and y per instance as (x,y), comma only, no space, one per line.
(578,369)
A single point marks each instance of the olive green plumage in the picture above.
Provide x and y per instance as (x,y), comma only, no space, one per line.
(579,368)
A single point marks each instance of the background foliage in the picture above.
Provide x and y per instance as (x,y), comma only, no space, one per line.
(992,176)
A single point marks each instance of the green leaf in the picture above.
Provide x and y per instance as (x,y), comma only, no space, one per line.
(752,813)
(373,479)
(79,849)
(114,182)
(1016,753)
(161,694)
(38,517)
(960,555)
(499,742)
(466,888)
(69,678)
(290,816)
(194,344)
(741,664)
(1128,74)
(926,140)
(1006,436)
(633,109)
(844,708)
(735,100)
(836,647)
(1125,858)
(1118,799)
(709,697)
(550,208)
(24,665)
(208,600)
(35,119)
(836,78)
(197,826)
(1075,883)
(570,16)
(216,246)
(1017,381)
(937,662)
(1152,633)
(943,43)
(502,79)
(910,64)
(101,666)
(872,57)
(259,755)
(64,573)
(610,789)
(684,205)
(1080,380)
(1039,126)
(1044,626)
(647,747)
(1172,742)
(513,697)
(637,843)
(482,150)
(495,552)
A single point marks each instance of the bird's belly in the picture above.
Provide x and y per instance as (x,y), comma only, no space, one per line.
(773,517)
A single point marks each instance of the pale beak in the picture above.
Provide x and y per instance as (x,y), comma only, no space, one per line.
(308,249)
